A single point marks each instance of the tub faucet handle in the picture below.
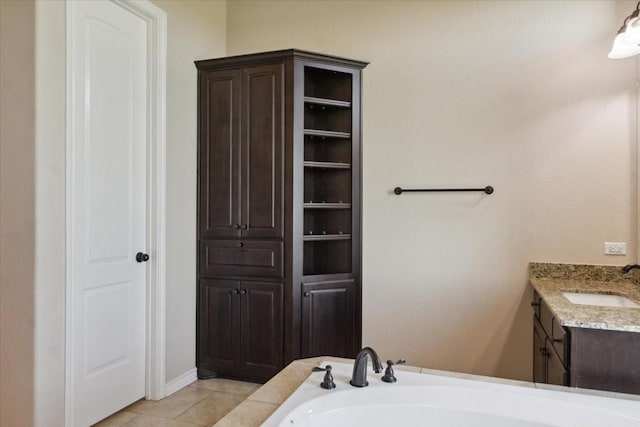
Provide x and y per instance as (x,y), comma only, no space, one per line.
(389,376)
(327,382)
(627,268)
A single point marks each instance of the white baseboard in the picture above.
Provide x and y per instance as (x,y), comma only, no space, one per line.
(180,382)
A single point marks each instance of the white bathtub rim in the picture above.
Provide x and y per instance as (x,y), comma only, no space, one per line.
(622,404)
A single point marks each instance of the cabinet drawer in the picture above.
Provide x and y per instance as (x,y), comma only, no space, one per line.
(241,258)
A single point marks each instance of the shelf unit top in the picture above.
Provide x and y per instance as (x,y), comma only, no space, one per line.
(279,55)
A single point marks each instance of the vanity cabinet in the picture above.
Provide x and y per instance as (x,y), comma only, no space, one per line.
(550,346)
(279,219)
(583,357)
(605,360)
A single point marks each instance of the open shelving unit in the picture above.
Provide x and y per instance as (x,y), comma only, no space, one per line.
(328,180)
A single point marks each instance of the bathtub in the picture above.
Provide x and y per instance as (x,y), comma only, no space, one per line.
(420,399)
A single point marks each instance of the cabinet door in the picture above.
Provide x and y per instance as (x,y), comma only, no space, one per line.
(219,154)
(539,353)
(262,151)
(262,329)
(556,373)
(328,319)
(218,327)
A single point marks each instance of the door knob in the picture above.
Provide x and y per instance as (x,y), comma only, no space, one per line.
(141,257)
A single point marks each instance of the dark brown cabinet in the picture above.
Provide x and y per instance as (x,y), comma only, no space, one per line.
(241,327)
(539,353)
(547,366)
(550,347)
(583,357)
(261,258)
(279,152)
(241,148)
(328,308)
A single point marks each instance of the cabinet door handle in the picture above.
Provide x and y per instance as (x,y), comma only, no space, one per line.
(235,291)
(243,292)
(240,244)
(244,226)
(306,294)
(236,226)
(557,340)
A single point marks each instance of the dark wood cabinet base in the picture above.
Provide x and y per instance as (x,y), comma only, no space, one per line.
(583,357)
(605,360)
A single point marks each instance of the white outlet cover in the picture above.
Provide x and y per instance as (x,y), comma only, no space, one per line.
(615,248)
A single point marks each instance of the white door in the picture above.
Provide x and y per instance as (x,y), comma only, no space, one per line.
(108,192)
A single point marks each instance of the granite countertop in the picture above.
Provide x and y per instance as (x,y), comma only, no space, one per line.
(550,280)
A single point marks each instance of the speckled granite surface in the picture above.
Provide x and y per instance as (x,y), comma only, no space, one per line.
(550,280)
(601,273)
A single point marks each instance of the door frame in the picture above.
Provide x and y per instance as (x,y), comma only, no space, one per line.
(155,339)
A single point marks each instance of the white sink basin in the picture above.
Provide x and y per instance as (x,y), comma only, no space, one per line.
(605,300)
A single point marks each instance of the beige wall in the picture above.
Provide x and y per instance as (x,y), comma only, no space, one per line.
(197,30)
(17,190)
(519,95)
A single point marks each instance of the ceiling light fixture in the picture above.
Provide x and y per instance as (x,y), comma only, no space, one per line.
(627,41)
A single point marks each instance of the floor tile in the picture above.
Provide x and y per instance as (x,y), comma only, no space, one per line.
(224,385)
(151,421)
(172,406)
(117,420)
(210,410)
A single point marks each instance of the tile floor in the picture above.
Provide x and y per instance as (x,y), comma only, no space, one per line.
(202,403)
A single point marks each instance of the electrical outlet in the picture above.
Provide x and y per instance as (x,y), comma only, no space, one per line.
(615,248)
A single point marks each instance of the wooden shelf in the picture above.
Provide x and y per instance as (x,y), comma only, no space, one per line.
(327,102)
(327,205)
(327,165)
(324,237)
(327,133)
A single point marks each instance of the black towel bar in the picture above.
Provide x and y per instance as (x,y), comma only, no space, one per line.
(398,190)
